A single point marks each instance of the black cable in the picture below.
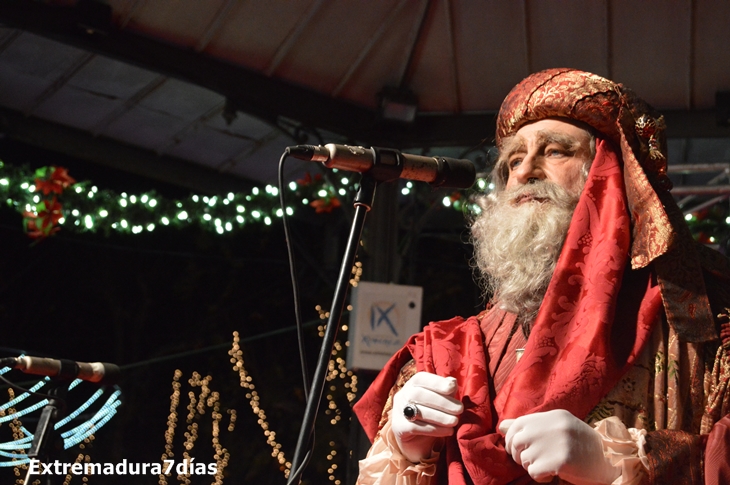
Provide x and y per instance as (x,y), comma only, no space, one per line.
(293,275)
(32,393)
(297,311)
(305,462)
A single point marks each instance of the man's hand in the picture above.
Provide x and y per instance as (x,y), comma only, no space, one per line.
(556,443)
(437,414)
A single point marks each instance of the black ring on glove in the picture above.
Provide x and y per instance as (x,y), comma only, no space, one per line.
(411,411)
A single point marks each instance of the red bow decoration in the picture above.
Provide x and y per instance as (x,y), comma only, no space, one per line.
(325,204)
(55,183)
(44,223)
(49,180)
(308,180)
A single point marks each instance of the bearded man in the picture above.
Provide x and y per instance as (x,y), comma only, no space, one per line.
(603,355)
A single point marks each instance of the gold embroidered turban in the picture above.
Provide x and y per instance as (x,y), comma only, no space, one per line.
(659,233)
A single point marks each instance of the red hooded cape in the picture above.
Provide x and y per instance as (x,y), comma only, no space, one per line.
(596,318)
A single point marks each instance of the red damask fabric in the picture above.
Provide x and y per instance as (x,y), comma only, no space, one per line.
(596,318)
(717,454)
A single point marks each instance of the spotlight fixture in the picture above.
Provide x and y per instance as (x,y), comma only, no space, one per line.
(398,104)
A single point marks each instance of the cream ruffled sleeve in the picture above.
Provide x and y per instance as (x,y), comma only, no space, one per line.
(625,448)
(385,465)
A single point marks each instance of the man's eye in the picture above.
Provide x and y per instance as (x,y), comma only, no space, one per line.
(555,152)
(514,162)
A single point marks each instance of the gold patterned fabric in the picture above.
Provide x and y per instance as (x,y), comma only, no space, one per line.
(659,233)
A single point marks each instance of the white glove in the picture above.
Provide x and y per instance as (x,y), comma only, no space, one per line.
(556,443)
(437,414)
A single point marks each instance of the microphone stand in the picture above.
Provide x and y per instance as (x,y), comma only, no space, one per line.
(46,440)
(363,203)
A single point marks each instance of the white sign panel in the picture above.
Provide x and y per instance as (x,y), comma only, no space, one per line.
(383,317)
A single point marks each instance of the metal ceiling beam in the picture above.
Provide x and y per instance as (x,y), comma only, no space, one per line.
(700,190)
(88,26)
(367,48)
(104,151)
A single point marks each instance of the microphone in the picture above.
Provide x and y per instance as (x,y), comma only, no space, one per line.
(98,372)
(387,164)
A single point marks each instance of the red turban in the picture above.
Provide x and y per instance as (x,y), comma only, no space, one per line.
(659,233)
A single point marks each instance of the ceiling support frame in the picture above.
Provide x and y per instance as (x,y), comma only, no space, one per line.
(269,98)
(60,81)
(110,153)
(365,51)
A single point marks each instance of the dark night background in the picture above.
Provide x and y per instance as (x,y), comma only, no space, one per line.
(207,95)
(172,294)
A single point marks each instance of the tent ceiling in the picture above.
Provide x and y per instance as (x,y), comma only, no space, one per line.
(207,94)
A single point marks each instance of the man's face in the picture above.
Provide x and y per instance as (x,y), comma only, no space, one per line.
(550,149)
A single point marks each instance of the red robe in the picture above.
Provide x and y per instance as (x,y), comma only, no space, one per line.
(596,317)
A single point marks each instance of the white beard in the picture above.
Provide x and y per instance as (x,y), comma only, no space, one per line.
(516,245)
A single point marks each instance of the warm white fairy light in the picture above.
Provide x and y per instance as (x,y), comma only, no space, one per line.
(133,213)
(246,382)
(337,373)
(198,406)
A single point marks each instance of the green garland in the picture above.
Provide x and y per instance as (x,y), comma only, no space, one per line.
(50,199)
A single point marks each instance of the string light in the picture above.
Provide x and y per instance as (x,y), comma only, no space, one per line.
(198,405)
(171,423)
(245,380)
(79,458)
(86,208)
(338,375)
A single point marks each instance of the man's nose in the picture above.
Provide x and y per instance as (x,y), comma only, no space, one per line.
(528,171)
